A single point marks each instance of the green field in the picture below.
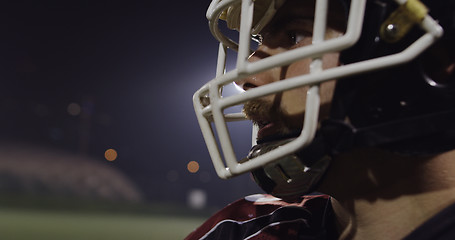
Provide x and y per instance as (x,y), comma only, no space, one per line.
(18,224)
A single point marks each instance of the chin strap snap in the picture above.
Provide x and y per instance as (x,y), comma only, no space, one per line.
(402,20)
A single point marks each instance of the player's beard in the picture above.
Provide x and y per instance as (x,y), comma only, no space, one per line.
(261,112)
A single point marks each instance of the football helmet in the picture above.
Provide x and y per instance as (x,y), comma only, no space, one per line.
(380,52)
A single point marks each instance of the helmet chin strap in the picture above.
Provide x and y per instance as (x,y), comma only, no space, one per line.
(425,135)
(300,173)
(293,175)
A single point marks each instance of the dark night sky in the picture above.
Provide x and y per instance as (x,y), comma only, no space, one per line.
(132,66)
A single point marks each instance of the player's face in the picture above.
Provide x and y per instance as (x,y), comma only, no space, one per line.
(282,113)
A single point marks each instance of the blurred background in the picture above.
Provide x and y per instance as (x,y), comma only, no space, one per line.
(98,138)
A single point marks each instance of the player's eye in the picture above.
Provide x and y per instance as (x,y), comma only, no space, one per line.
(256,41)
(296,37)
(257,38)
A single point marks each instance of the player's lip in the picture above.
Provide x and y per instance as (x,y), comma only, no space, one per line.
(266,129)
(270,131)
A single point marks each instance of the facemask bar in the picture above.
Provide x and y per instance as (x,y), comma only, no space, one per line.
(213,112)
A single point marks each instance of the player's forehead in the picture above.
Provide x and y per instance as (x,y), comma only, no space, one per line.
(305,9)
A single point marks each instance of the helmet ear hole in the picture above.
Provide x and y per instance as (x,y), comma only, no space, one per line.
(438,65)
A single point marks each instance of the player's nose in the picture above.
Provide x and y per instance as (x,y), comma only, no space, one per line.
(261,78)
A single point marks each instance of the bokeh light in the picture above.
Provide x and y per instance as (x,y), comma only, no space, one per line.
(73,109)
(110,154)
(197,199)
(193,166)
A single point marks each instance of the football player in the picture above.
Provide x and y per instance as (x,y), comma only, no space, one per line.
(353,110)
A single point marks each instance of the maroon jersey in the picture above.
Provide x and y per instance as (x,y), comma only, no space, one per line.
(266,217)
